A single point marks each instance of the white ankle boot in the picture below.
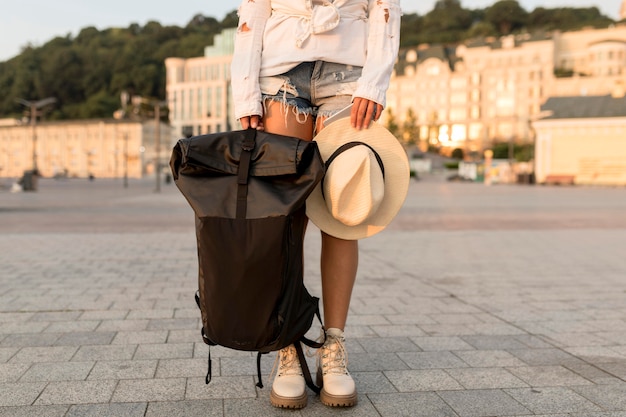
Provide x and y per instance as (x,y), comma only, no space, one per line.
(338,388)
(288,388)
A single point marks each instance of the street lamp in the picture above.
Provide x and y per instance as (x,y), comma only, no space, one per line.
(119,115)
(34,111)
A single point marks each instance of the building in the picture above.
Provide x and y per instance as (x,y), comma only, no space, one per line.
(105,148)
(469,96)
(582,140)
(198,89)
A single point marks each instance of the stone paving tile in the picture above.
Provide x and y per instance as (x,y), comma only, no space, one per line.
(196,408)
(30,339)
(34,411)
(485,342)
(108,410)
(129,369)
(85,338)
(105,353)
(472,403)
(164,351)
(387,344)
(186,313)
(181,368)
(548,376)
(596,354)
(174,324)
(422,380)
(431,360)
(568,340)
(221,387)
(485,378)
(371,362)
(137,337)
(488,358)
(183,336)
(57,371)
(44,354)
(372,383)
(414,404)
(104,315)
(72,326)
(21,327)
(417,319)
(397,330)
(15,317)
(123,325)
(539,357)
(441,343)
(594,374)
(20,393)
(552,400)
(147,390)
(150,314)
(76,392)
(62,316)
(609,397)
(11,372)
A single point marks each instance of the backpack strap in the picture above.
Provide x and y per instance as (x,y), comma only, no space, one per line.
(242,175)
(305,369)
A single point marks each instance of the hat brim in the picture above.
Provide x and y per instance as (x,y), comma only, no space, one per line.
(397,177)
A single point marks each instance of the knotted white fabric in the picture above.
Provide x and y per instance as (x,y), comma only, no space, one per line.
(324,16)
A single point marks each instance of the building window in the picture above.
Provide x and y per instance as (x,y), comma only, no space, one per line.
(219,98)
(209,102)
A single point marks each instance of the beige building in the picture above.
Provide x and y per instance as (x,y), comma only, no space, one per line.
(470,95)
(198,90)
(582,140)
(106,148)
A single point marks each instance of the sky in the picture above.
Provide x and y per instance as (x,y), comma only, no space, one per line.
(36,22)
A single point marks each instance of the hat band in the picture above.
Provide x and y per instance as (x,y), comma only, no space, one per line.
(345,147)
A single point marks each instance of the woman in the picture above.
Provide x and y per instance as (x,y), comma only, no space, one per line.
(296,62)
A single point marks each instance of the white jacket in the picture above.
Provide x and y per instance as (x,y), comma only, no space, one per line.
(276,35)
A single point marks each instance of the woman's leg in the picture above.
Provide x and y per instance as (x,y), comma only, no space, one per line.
(339,262)
(288,388)
(281,120)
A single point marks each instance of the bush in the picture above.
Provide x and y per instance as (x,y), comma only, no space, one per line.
(458,153)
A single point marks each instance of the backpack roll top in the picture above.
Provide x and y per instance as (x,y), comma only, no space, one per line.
(283,171)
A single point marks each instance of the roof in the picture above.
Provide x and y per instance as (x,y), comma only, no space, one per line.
(443,53)
(585,107)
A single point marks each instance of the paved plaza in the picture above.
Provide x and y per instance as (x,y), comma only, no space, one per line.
(508,300)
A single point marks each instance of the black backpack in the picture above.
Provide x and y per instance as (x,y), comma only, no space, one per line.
(248,190)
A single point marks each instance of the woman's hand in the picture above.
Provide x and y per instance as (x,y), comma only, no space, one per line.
(253,121)
(363,112)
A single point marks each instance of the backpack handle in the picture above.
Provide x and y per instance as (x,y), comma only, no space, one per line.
(247,146)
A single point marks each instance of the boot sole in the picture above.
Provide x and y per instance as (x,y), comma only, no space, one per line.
(338,400)
(288,402)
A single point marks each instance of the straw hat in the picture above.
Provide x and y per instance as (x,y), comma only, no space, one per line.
(366,181)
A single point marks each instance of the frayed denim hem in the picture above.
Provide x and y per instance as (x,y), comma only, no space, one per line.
(302,115)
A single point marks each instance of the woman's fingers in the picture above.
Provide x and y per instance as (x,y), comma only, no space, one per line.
(363,112)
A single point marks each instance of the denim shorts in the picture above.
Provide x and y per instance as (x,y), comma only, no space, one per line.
(318,88)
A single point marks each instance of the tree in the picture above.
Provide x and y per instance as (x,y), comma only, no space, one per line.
(446,22)
(410,129)
(506,16)
(392,124)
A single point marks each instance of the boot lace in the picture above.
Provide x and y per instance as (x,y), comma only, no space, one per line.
(333,357)
(287,362)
